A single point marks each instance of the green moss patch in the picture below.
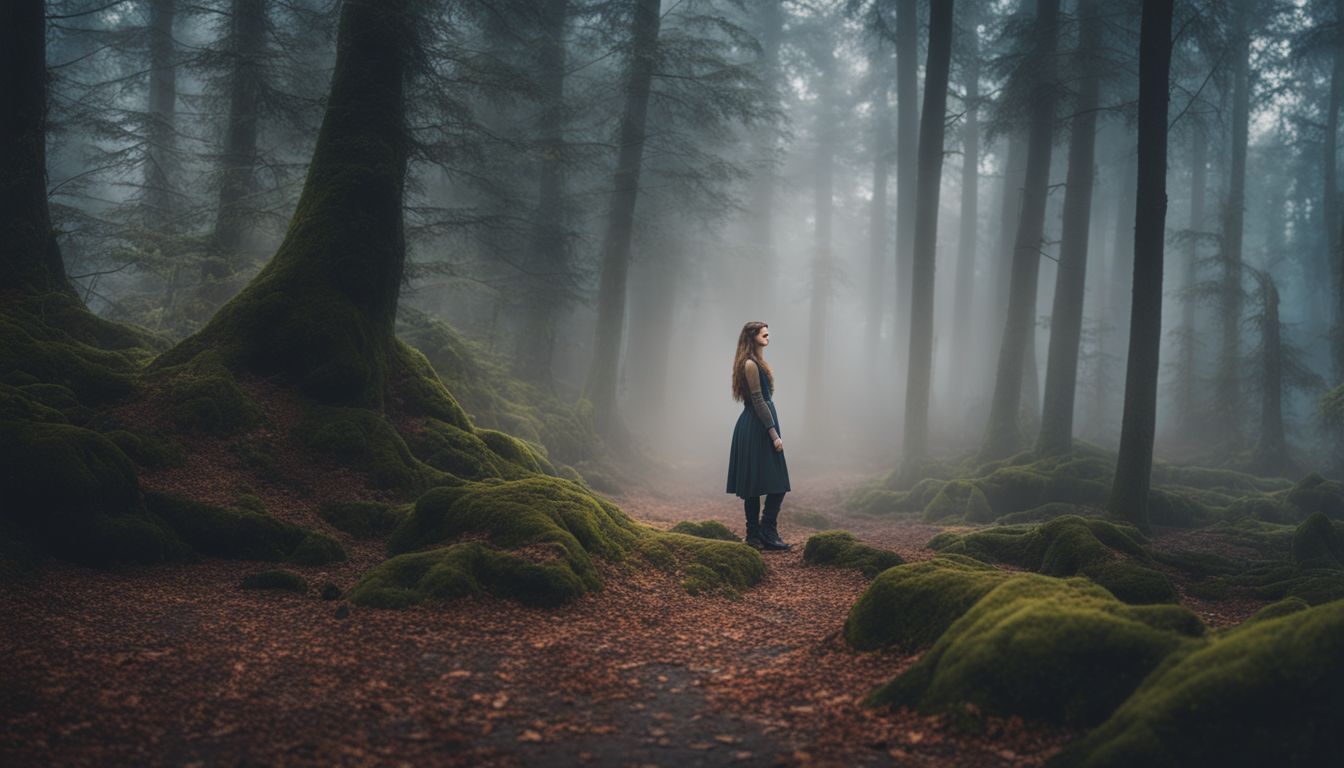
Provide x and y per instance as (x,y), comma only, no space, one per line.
(363,519)
(705,529)
(909,606)
(704,565)
(961,500)
(1316,494)
(202,395)
(365,440)
(842,550)
(287,581)
(241,534)
(469,569)
(1063,650)
(1268,693)
(74,493)
(1110,554)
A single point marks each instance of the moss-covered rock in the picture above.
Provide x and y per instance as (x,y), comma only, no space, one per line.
(202,395)
(1319,543)
(1267,693)
(705,529)
(842,550)
(1047,512)
(363,519)
(704,565)
(74,493)
(1316,494)
(148,450)
(1110,554)
(239,533)
(365,440)
(544,576)
(909,606)
(280,579)
(959,499)
(1055,649)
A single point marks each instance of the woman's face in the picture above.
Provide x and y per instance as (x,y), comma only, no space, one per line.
(763,336)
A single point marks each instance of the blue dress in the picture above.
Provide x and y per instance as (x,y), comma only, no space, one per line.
(755,468)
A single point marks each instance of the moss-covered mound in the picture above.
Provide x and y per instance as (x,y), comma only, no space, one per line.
(909,606)
(1063,650)
(1112,555)
(1268,693)
(243,534)
(959,499)
(497,400)
(363,519)
(534,539)
(842,550)
(1302,561)
(705,529)
(1316,494)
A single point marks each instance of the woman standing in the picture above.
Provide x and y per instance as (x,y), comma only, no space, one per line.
(756,461)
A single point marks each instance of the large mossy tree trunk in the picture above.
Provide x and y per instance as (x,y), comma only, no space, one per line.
(320,313)
(1134,463)
(550,252)
(963,302)
(1066,318)
(818,406)
(1227,389)
(600,388)
(907,161)
(1002,435)
(931,134)
(30,261)
(238,157)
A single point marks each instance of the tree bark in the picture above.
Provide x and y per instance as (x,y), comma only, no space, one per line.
(1133,469)
(1066,317)
(1002,436)
(763,185)
(159,198)
(877,214)
(907,151)
(600,388)
(1185,402)
(1271,452)
(320,314)
(968,225)
(30,260)
(822,261)
(934,118)
(549,249)
(247,40)
(1227,390)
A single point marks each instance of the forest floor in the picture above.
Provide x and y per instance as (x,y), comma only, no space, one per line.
(175,665)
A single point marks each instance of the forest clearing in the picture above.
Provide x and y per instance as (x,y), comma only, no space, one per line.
(365,391)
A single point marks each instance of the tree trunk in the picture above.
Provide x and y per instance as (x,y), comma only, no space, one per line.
(1114,309)
(1185,401)
(159,198)
(1002,436)
(1227,390)
(969,229)
(1271,453)
(1134,464)
(763,184)
(934,118)
(877,218)
(1066,317)
(320,314)
(907,150)
(822,263)
(547,285)
(600,388)
(30,260)
(247,40)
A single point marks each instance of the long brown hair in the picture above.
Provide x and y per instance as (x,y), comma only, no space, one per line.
(748,349)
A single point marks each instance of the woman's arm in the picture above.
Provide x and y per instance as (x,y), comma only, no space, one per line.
(758,399)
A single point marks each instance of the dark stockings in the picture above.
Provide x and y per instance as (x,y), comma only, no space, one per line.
(763,524)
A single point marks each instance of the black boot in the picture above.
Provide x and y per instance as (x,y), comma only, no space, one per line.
(753,510)
(769,534)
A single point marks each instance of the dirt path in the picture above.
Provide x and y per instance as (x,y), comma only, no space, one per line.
(174,665)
